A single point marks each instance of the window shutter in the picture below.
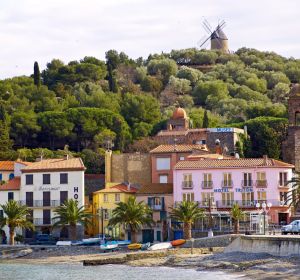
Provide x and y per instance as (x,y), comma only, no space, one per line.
(163,203)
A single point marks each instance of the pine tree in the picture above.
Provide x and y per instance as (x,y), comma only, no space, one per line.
(36,74)
(112,82)
(5,142)
(205,120)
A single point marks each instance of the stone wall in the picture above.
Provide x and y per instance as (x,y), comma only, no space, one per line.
(216,241)
(133,168)
(291,147)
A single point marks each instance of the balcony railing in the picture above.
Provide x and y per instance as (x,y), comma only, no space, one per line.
(246,183)
(41,221)
(157,207)
(283,184)
(207,184)
(227,184)
(261,183)
(187,184)
(41,203)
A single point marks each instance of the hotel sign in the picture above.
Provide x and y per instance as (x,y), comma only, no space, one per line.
(221,129)
(238,190)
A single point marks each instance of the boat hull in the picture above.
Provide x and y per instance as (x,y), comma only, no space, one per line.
(160,246)
(134,246)
(178,242)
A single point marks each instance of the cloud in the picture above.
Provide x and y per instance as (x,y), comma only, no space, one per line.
(32,30)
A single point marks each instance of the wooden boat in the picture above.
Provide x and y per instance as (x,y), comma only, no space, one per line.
(63,243)
(145,246)
(134,246)
(109,247)
(178,242)
(160,246)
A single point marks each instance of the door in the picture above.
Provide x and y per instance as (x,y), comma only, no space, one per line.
(46,198)
(158,235)
(148,235)
(29,199)
(63,196)
(46,217)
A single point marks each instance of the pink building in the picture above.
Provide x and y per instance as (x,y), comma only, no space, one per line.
(222,182)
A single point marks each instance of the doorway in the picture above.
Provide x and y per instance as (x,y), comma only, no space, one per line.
(283,218)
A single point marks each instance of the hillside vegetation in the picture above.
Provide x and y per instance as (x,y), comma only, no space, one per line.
(84,103)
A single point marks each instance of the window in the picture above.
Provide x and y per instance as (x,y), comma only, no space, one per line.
(247,182)
(46,199)
(283,178)
(29,199)
(0,177)
(227,199)
(46,179)
(207,198)
(227,182)
(63,197)
(105,214)
(29,179)
(46,217)
(163,163)
(105,197)
(157,201)
(11,176)
(248,199)
(117,197)
(207,181)
(163,179)
(261,179)
(64,178)
(181,158)
(188,197)
(187,181)
(10,196)
(283,198)
(261,196)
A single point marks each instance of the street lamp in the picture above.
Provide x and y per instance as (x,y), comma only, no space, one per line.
(262,208)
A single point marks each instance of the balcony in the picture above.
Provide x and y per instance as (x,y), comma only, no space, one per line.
(227,184)
(247,184)
(187,184)
(157,207)
(41,203)
(41,221)
(261,183)
(207,184)
(250,203)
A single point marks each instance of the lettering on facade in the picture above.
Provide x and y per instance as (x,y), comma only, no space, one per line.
(222,190)
(49,188)
(244,190)
(221,129)
(76,193)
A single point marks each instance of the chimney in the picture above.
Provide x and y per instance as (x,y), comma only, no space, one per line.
(128,187)
(218,147)
(265,159)
(108,166)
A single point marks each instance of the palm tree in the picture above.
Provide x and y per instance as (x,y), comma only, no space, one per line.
(293,195)
(69,213)
(187,212)
(15,217)
(236,214)
(132,214)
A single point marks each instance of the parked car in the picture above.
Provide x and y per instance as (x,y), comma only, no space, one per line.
(44,239)
(292,228)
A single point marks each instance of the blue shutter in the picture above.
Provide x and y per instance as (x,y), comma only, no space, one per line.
(163,203)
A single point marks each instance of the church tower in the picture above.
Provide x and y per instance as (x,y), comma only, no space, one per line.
(291,146)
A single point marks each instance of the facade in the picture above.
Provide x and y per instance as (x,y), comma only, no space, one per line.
(104,201)
(179,131)
(219,183)
(164,158)
(6,170)
(159,198)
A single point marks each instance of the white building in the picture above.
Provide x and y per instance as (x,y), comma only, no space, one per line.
(44,185)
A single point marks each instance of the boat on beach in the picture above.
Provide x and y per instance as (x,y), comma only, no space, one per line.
(178,242)
(91,241)
(63,243)
(109,246)
(145,246)
(135,246)
(160,246)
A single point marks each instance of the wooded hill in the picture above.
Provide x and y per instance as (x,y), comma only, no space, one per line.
(84,102)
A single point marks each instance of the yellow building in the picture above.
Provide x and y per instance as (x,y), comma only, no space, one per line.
(104,201)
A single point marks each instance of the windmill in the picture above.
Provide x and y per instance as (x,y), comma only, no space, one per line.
(218,39)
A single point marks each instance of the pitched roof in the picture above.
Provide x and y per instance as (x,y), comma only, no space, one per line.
(119,188)
(207,156)
(153,188)
(93,182)
(13,184)
(179,148)
(7,165)
(56,164)
(233,163)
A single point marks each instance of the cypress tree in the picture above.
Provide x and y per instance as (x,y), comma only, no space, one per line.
(5,142)
(36,74)
(205,120)
(112,82)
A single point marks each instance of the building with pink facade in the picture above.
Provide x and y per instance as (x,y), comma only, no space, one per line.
(219,183)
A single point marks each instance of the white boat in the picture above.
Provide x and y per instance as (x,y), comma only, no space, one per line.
(63,243)
(90,241)
(160,246)
(108,247)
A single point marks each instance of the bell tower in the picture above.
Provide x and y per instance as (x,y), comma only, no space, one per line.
(291,146)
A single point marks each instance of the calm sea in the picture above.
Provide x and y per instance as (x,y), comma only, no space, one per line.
(109,272)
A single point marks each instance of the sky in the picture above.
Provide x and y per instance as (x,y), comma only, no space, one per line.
(40,30)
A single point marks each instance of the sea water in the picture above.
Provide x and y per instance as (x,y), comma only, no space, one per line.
(9,271)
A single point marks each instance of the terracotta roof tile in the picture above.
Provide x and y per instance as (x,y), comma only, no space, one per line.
(153,188)
(7,165)
(234,163)
(119,188)
(56,164)
(179,148)
(13,184)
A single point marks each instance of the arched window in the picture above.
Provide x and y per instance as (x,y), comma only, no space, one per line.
(11,176)
(297,118)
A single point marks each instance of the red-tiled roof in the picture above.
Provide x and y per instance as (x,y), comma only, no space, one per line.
(118,188)
(7,165)
(57,164)
(179,148)
(153,188)
(13,184)
(234,163)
